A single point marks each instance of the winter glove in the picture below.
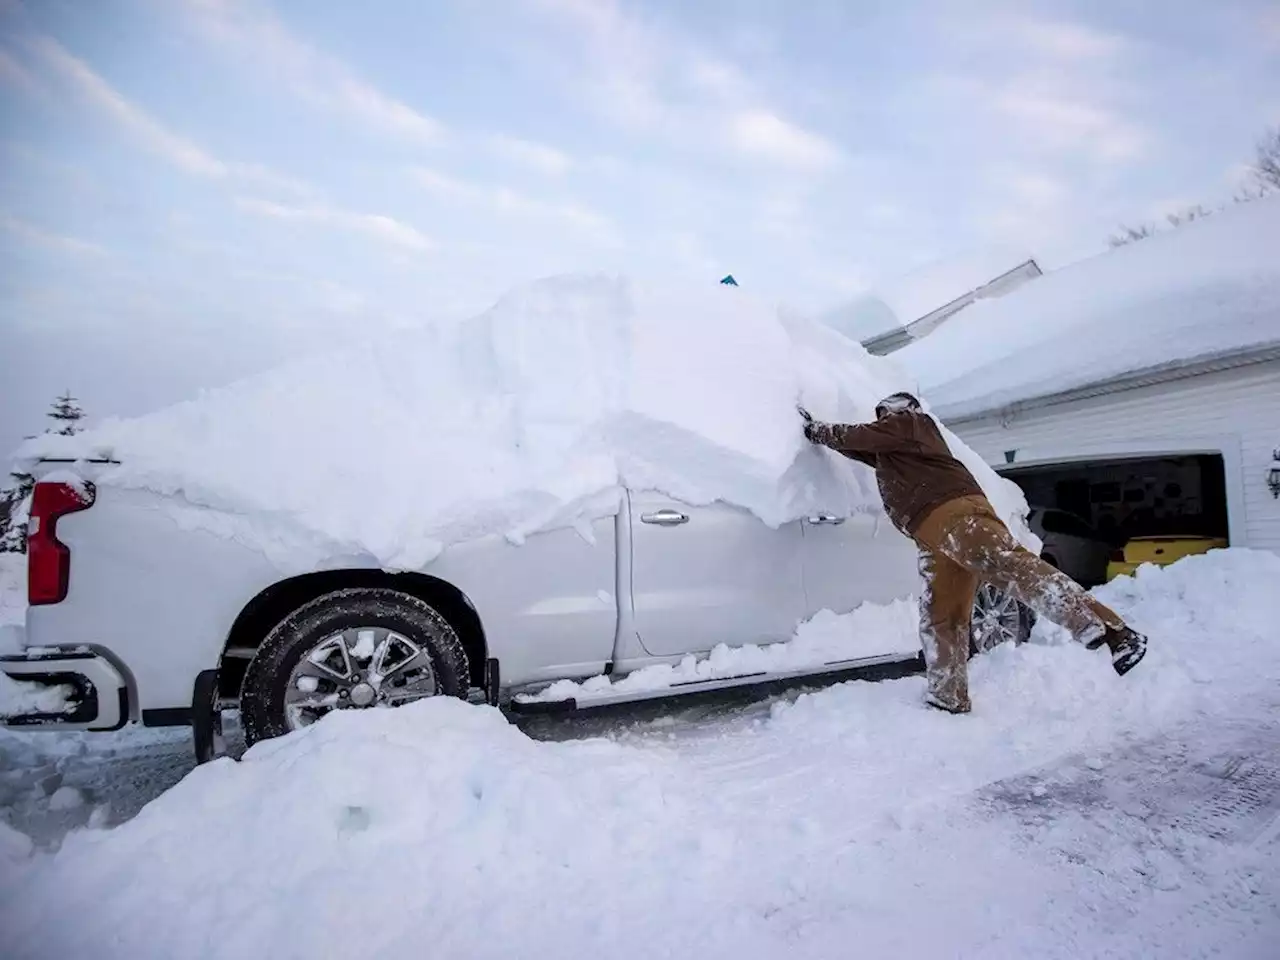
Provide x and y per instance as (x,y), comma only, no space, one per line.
(813,431)
(810,425)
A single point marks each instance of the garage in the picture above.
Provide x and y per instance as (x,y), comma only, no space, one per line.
(1122,499)
(1134,397)
(1086,512)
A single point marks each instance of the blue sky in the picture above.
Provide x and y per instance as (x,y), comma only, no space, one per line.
(195,189)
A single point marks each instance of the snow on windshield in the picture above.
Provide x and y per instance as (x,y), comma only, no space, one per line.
(532,414)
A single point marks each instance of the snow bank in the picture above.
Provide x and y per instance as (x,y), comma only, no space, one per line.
(13,844)
(869,631)
(531,414)
(783,834)
(1205,288)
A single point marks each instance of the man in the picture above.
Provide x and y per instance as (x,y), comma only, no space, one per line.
(932,498)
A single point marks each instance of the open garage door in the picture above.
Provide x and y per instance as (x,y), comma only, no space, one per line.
(1122,500)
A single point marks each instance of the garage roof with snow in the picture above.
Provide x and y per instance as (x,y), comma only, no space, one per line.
(1205,292)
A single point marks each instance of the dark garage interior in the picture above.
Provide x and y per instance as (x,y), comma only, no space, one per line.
(1126,498)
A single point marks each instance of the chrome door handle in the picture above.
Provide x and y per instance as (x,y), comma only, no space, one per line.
(825,519)
(665,518)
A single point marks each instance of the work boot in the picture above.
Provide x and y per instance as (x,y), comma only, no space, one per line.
(939,704)
(1127,648)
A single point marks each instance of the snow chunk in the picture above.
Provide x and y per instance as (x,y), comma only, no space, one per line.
(19,697)
(531,415)
(364,647)
(68,477)
(66,798)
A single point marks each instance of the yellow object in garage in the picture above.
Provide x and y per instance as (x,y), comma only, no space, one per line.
(1160,551)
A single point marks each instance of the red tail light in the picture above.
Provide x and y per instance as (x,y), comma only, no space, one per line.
(48,559)
(1117,555)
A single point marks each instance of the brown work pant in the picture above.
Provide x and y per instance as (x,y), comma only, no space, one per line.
(963,543)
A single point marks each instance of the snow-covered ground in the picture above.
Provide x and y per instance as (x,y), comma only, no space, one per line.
(1074,814)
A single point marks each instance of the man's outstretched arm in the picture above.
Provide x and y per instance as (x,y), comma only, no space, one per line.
(854,439)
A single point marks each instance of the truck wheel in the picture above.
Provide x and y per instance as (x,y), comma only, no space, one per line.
(350,649)
(997,619)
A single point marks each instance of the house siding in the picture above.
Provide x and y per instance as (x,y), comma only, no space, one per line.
(1235,412)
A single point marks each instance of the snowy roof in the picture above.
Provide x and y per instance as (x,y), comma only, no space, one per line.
(1204,290)
(897,302)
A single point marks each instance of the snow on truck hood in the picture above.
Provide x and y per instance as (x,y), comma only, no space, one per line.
(530,415)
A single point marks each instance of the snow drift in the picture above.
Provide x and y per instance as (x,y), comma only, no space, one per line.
(869,631)
(784,833)
(531,414)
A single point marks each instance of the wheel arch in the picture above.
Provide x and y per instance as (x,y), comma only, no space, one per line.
(261,614)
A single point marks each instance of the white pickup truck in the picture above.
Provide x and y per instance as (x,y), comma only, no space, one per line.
(153,611)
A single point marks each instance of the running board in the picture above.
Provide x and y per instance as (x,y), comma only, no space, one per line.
(888,667)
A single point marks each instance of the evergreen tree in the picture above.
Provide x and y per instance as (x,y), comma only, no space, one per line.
(66,412)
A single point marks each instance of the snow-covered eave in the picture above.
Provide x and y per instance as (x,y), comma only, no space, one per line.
(1181,369)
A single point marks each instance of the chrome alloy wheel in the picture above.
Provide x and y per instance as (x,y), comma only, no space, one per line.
(356,668)
(997,619)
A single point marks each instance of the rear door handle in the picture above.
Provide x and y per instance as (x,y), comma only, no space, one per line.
(665,518)
(825,519)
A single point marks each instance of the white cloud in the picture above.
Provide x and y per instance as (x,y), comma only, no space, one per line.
(149,132)
(1022,204)
(538,156)
(1065,40)
(718,77)
(32,234)
(1269,27)
(313,75)
(1037,190)
(1037,88)
(508,202)
(650,79)
(14,74)
(378,226)
(1067,122)
(767,136)
(156,138)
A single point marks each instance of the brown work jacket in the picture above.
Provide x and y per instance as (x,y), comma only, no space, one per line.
(914,466)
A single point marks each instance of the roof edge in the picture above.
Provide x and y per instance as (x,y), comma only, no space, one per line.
(1133,379)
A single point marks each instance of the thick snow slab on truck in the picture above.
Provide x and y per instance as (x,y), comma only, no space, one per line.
(530,415)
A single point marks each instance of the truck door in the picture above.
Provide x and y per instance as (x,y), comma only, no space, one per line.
(713,574)
(849,560)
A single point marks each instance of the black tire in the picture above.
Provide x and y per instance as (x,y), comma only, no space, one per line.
(1019,620)
(262,698)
